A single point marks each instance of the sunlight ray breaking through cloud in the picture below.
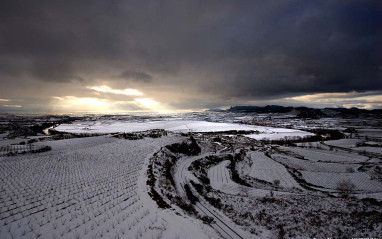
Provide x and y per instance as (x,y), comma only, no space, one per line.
(13,106)
(107,89)
(200,56)
(94,104)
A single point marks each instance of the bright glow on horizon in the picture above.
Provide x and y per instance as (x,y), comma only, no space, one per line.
(96,104)
(89,101)
(107,89)
(13,106)
(147,103)
(91,104)
(347,100)
(9,105)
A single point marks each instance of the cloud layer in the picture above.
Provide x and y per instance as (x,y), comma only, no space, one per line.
(189,54)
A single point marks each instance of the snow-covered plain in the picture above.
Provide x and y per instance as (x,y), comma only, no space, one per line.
(183,126)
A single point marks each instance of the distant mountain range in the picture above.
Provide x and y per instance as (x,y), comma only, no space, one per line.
(306,112)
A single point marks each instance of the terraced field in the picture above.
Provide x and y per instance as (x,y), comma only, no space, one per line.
(266,169)
(377,150)
(362,181)
(307,165)
(326,155)
(220,180)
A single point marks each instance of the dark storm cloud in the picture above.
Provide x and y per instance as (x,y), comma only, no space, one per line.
(53,70)
(307,48)
(232,49)
(135,76)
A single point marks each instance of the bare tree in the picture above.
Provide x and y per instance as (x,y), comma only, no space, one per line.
(244,190)
(349,170)
(345,187)
(276,183)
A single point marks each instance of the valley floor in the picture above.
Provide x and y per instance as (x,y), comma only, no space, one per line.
(180,183)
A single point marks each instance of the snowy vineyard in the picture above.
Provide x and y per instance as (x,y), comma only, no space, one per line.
(85,192)
(15,149)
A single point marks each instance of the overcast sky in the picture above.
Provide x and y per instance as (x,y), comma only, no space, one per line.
(121,55)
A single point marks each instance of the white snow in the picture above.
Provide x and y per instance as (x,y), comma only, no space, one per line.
(183,126)
(361,180)
(377,196)
(374,133)
(377,150)
(266,169)
(307,165)
(88,188)
(176,226)
(4,142)
(346,143)
(222,224)
(276,134)
(336,156)
(312,145)
(220,179)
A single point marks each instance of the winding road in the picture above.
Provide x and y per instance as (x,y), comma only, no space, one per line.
(182,177)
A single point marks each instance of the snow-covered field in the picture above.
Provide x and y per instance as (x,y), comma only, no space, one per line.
(61,146)
(101,187)
(377,196)
(87,188)
(370,149)
(307,165)
(220,173)
(220,179)
(183,126)
(373,133)
(275,135)
(345,143)
(268,170)
(4,150)
(4,142)
(368,146)
(318,145)
(335,156)
(361,180)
